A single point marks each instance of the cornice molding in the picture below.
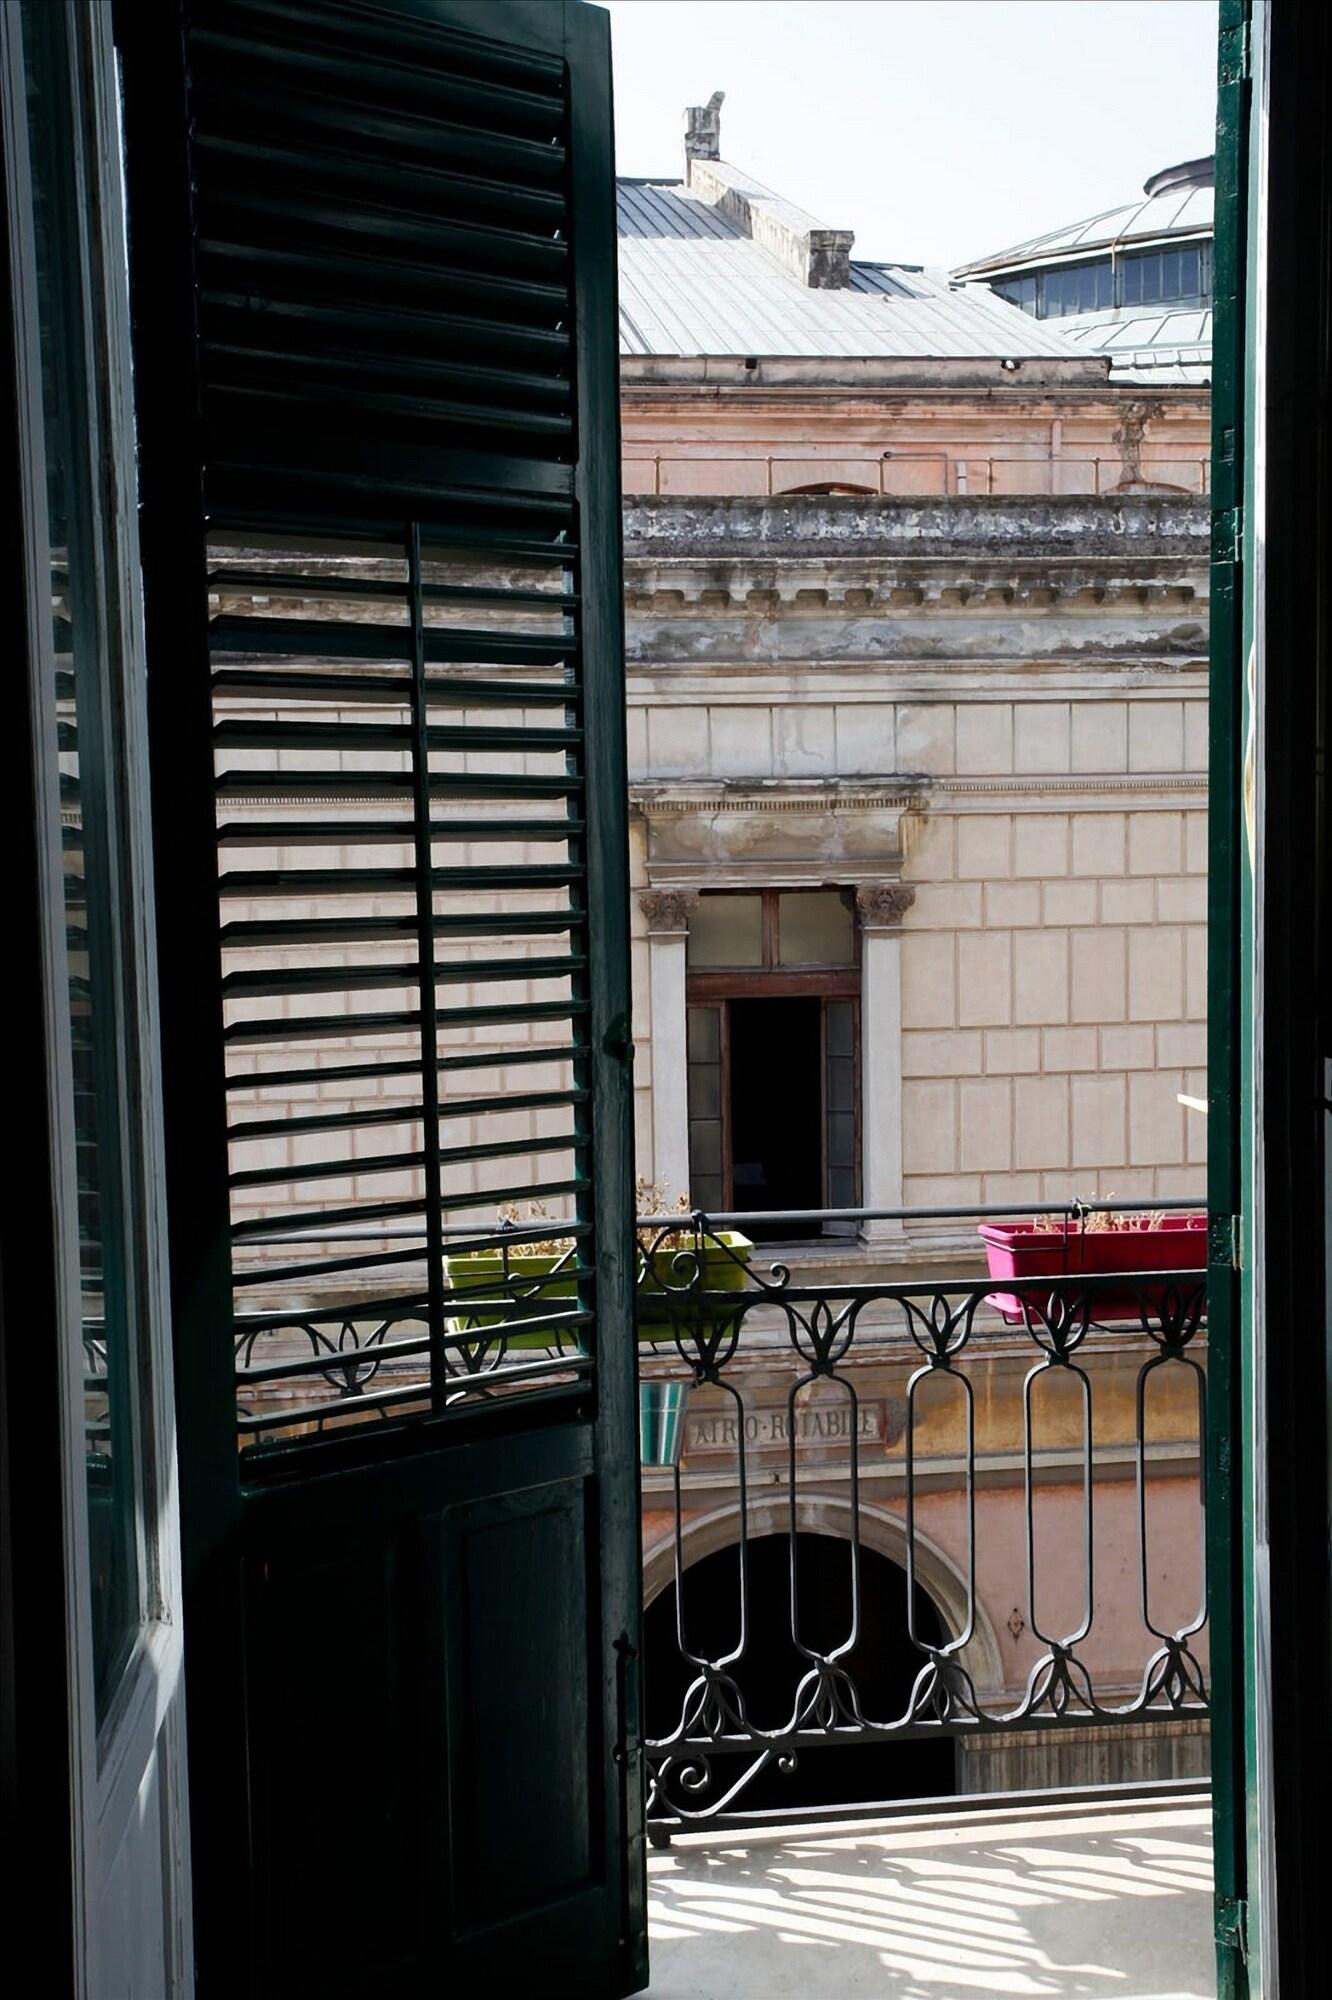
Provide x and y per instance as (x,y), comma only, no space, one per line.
(663,800)
(791,593)
(1070,782)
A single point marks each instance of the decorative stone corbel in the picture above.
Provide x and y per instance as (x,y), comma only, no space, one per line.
(882,905)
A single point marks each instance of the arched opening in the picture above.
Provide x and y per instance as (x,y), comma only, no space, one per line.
(819,486)
(882,1666)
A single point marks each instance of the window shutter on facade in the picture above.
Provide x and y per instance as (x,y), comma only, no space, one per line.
(374,286)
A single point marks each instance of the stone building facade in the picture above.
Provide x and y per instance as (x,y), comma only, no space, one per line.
(986,720)
(916,611)
(916,618)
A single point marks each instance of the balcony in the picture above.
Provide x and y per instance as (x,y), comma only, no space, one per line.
(911,1535)
(867,1473)
(1088,1900)
(915,1534)
(918,1537)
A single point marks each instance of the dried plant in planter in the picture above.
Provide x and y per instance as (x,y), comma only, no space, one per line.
(650,1198)
(1100,1222)
(510,1217)
(653,1198)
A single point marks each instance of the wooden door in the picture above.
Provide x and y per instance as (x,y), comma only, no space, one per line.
(373,272)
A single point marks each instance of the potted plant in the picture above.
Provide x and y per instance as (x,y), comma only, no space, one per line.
(502,1284)
(1084,1243)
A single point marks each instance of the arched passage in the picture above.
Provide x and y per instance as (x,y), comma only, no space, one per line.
(883,1664)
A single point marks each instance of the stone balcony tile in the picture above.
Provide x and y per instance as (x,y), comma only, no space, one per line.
(1102,1900)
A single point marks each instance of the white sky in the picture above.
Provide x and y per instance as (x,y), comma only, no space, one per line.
(938,130)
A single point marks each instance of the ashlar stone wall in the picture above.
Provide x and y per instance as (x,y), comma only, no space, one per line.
(999,705)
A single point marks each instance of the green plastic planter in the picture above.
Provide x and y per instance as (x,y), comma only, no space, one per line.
(477,1271)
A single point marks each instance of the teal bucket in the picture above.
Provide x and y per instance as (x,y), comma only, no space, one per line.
(661,1421)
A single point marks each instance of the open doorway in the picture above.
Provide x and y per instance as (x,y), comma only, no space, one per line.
(774,1053)
(775,1103)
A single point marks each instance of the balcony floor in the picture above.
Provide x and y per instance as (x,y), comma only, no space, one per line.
(1096,1900)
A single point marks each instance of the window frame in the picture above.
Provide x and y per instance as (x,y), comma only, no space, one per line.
(1118,261)
(778,981)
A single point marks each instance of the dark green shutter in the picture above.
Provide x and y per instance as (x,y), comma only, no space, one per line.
(374,283)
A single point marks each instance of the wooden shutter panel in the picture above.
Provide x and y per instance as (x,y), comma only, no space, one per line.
(373,263)
(385,319)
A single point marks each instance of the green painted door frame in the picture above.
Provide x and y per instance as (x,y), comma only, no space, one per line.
(1229,1015)
(1270,1001)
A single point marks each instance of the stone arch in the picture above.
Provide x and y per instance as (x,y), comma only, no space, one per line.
(830,1514)
(819,486)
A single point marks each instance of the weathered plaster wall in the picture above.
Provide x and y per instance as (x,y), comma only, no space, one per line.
(768,427)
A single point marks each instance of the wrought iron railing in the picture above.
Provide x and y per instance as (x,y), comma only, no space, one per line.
(861,1409)
(1056,1401)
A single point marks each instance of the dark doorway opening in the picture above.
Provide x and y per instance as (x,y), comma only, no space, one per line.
(883,1666)
(776,1105)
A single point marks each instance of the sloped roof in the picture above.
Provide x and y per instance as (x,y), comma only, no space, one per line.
(1173,212)
(1150,345)
(692,282)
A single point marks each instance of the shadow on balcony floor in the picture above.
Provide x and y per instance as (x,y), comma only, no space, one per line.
(1098,1901)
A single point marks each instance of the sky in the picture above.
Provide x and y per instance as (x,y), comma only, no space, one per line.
(939,130)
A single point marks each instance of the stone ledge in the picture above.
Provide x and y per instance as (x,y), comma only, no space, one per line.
(852,524)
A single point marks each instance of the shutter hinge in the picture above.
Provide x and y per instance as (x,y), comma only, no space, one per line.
(1232,1925)
(1236,54)
(616,1040)
(1228,535)
(1225,1248)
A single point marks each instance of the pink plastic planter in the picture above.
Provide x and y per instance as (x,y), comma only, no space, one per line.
(1059,1249)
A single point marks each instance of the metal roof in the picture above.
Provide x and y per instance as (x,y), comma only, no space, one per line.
(693,283)
(1173,212)
(1165,344)
(1147,344)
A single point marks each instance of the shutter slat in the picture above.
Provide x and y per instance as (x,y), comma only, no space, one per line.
(335,1076)
(367,978)
(366,833)
(463,1107)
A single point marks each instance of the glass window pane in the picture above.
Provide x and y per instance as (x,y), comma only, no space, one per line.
(841,1083)
(841,1139)
(703,1029)
(704,1150)
(1075,288)
(815,927)
(704,1090)
(1019,292)
(703,1078)
(94,867)
(840,1017)
(726,930)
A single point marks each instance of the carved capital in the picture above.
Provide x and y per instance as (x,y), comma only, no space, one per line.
(667,909)
(882,905)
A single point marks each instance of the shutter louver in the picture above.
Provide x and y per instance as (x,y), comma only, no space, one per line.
(386,342)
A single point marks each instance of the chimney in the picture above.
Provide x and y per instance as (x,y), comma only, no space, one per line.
(703,132)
